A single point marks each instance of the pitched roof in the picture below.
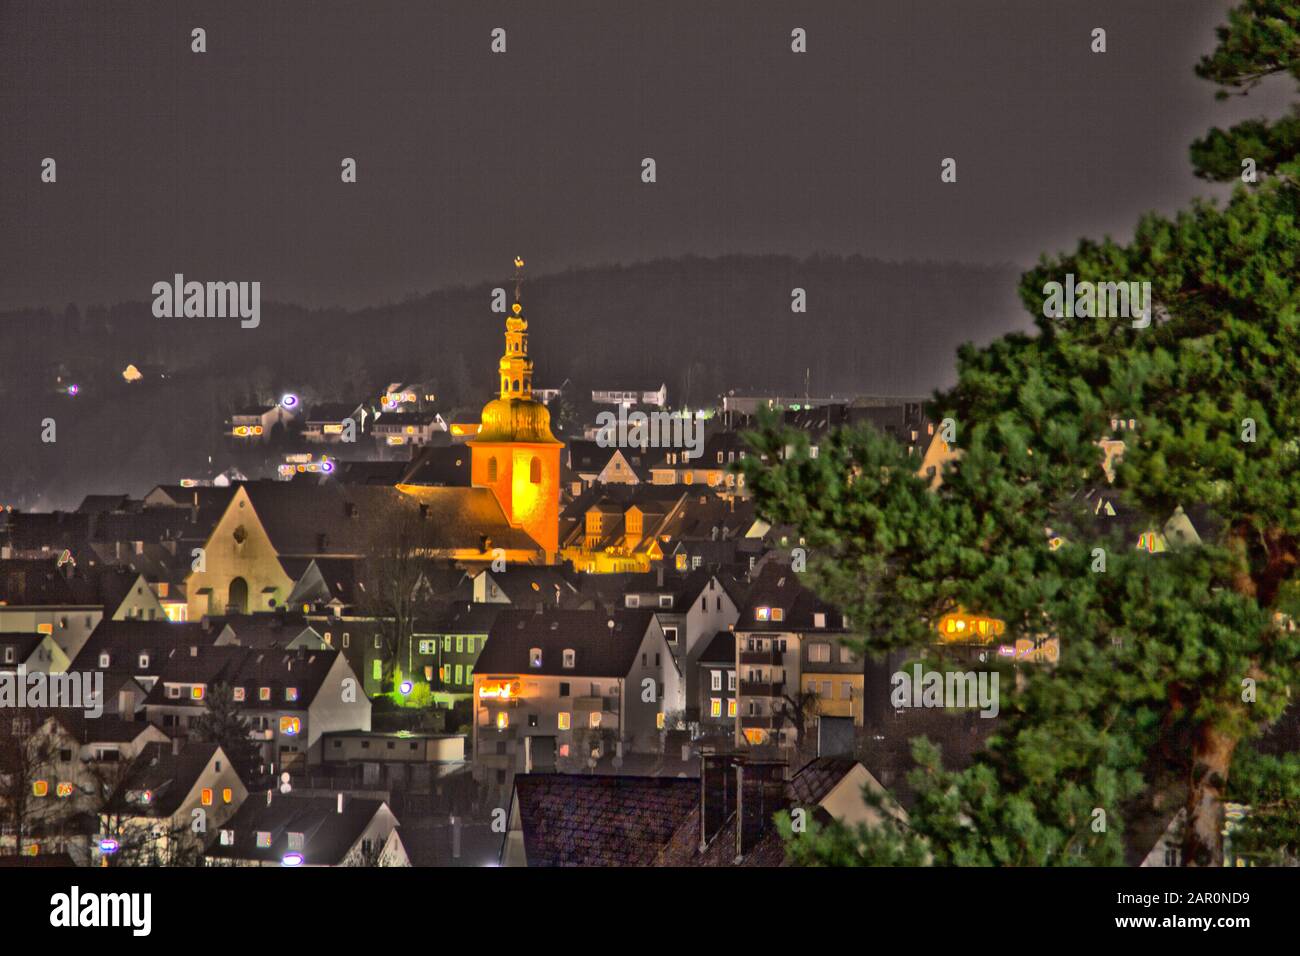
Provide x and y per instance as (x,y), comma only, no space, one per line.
(575,820)
(167,776)
(327,835)
(331,518)
(605,645)
(720,650)
(251,668)
(779,587)
(125,641)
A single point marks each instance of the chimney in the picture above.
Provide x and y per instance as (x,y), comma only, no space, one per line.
(717,793)
(760,792)
(659,576)
(176,746)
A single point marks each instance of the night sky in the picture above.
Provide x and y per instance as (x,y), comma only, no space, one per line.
(225,165)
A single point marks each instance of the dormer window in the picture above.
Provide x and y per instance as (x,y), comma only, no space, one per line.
(103,659)
(633,600)
(11,655)
(239,695)
(291,694)
(295,841)
(144,661)
(665,600)
(264,693)
(173,691)
(819,619)
(535,657)
(778,614)
(570,658)
(196,692)
(762,614)
(263,838)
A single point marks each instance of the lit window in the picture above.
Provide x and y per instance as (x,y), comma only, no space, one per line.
(64,789)
(196,693)
(263,838)
(377,670)
(290,726)
(239,694)
(264,693)
(762,613)
(40,788)
(564,720)
(715,706)
(819,619)
(227,795)
(535,657)
(731,707)
(206,797)
(778,614)
(659,720)
(291,694)
(570,657)
(503,720)
(595,718)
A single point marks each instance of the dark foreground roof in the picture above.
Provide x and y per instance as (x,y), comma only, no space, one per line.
(573,820)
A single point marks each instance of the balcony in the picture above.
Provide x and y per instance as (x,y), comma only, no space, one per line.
(757,688)
(761,657)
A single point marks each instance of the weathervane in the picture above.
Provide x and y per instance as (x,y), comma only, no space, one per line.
(519,275)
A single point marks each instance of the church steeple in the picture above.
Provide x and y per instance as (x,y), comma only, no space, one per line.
(516,366)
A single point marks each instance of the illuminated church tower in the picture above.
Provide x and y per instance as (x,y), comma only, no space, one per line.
(515,453)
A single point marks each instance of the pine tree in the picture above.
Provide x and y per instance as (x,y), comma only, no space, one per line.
(223,723)
(1173,666)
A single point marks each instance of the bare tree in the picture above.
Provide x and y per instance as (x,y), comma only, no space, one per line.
(397,559)
(28,803)
(796,709)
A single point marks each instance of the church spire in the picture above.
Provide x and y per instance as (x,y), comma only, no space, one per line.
(516,366)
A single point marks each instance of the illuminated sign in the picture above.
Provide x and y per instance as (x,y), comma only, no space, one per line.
(108,845)
(959,628)
(504,689)
(289,400)
(396,440)
(332,429)
(243,431)
(292,859)
(64,790)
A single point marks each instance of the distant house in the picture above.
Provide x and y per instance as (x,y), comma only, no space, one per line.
(781,616)
(407,429)
(645,394)
(556,688)
(32,652)
(292,830)
(715,684)
(328,423)
(291,698)
(255,423)
(151,815)
(36,597)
